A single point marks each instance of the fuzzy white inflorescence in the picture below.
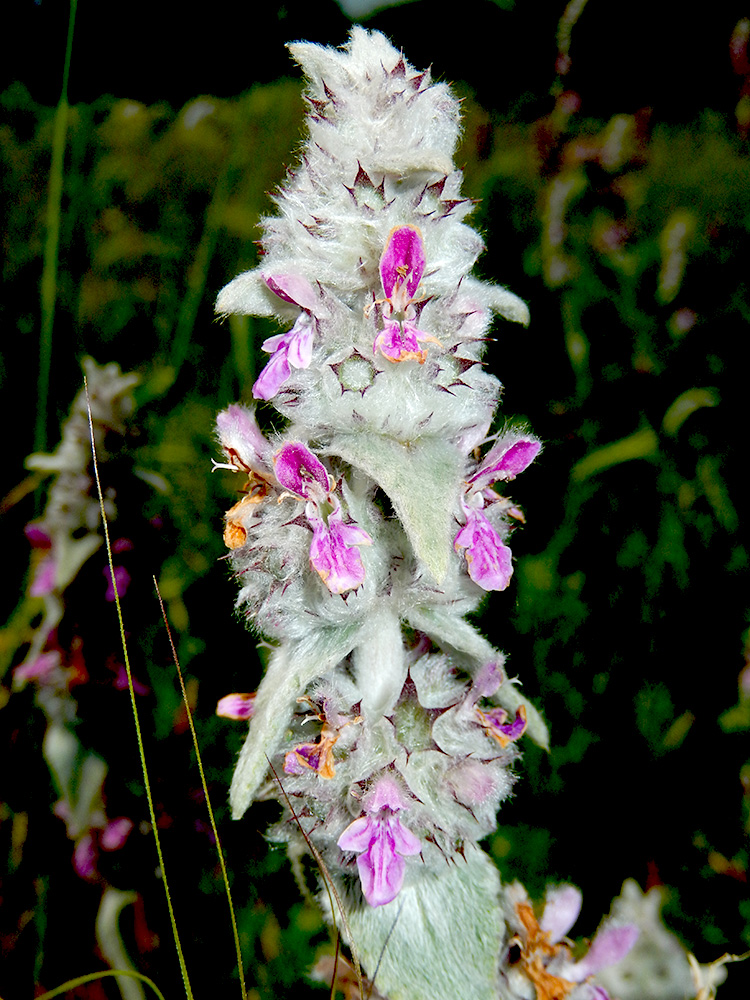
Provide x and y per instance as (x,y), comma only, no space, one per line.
(371,526)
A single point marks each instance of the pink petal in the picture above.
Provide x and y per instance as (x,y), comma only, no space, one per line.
(611,944)
(381,871)
(488,559)
(115,833)
(386,794)
(358,835)
(84,857)
(38,537)
(293,288)
(122,581)
(503,463)
(299,354)
(561,909)
(488,680)
(301,472)
(44,577)
(280,341)
(333,552)
(398,342)
(236,706)
(39,669)
(404,841)
(239,433)
(273,376)
(403,261)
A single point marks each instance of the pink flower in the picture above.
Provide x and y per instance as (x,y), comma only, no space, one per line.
(545,952)
(292,349)
(84,857)
(333,550)
(115,833)
(301,472)
(242,441)
(236,706)
(39,669)
(401,268)
(488,559)
(44,577)
(381,841)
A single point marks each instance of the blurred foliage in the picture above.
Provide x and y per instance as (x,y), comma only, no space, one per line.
(627,617)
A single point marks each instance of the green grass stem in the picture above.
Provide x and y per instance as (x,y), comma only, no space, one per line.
(52,245)
(139,737)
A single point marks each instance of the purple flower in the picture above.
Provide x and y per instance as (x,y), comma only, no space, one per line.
(302,473)
(292,349)
(333,550)
(382,842)
(488,559)
(401,269)
(495,724)
(503,463)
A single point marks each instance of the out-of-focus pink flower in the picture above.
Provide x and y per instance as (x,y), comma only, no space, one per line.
(84,856)
(44,577)
(382,842)
(236,706)
(115,833)
(38,669)
(121,680)
(122,581)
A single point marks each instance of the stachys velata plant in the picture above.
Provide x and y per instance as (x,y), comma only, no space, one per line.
(370,527)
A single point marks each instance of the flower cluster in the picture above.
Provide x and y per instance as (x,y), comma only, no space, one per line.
(370,526)
(63,541)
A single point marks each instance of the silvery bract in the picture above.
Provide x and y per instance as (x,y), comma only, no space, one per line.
(370,528)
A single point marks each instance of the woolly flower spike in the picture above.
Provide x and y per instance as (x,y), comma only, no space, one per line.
(401,269)
(294,347)
(333,552)
(487,557)
(373,453)
(382,842)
